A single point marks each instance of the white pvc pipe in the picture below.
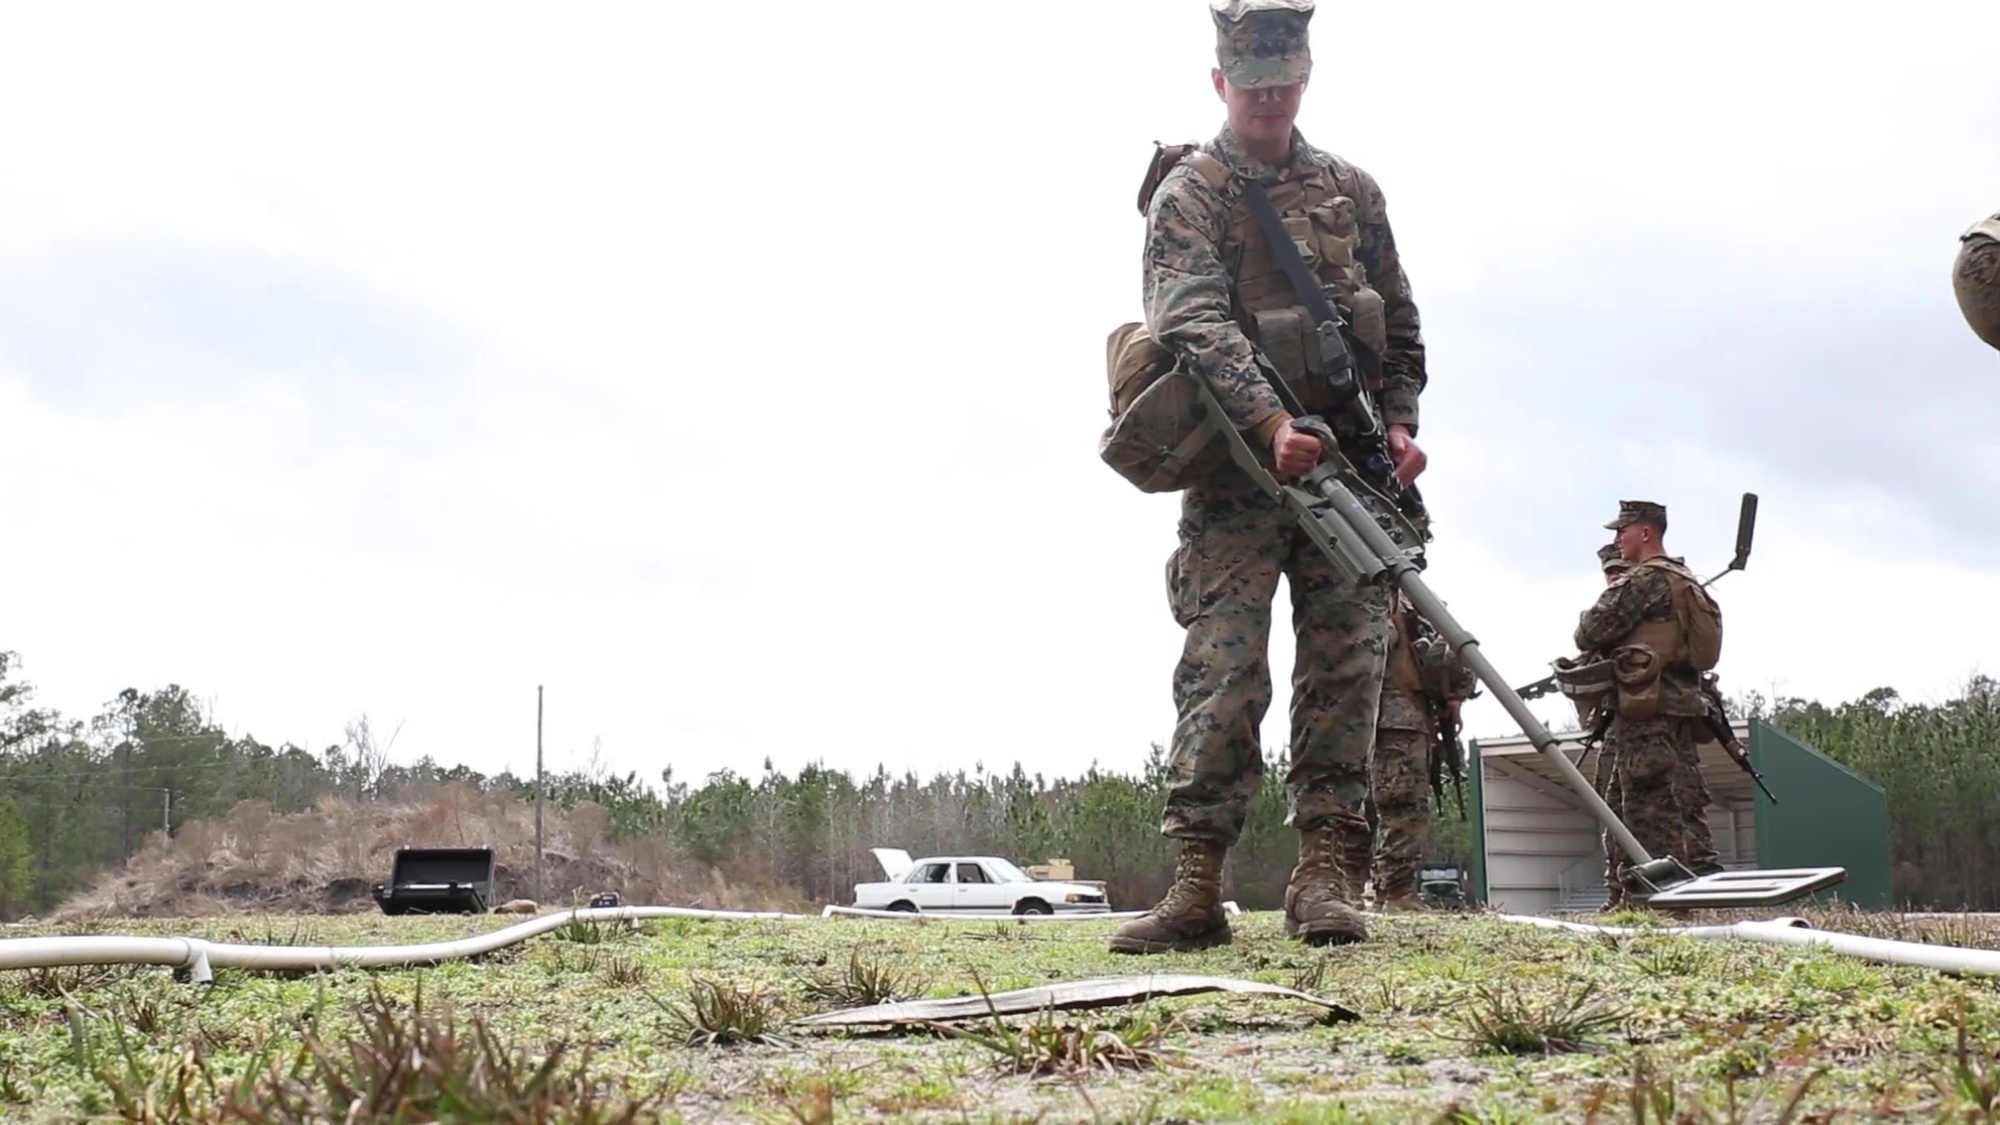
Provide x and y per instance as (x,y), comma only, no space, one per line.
(957,915)
(200,957)
(1797,931)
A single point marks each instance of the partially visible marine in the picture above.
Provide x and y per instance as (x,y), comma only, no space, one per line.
(1975,279)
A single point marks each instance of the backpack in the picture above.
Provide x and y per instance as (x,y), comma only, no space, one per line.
(1696,614)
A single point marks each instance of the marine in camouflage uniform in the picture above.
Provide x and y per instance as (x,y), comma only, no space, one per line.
(1615,566)
(1399,778)
(1211,287)
(1655,784)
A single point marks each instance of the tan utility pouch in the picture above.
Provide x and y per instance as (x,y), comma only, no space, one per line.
(1133,360)
(1370,325)
(1288,338)
(1159,439)
(1638,671)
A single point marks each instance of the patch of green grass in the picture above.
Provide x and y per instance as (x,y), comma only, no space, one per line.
(864,980)
(715,1013)
(1699,1026)
(1511,1018)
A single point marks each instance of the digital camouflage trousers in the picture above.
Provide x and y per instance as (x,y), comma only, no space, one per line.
(1399,802)
(1650,774)
(1222,579)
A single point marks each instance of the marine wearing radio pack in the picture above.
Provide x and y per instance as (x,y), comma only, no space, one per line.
(1658,629)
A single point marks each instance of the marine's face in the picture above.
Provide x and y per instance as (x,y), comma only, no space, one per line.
(1263,116)
(1632,539)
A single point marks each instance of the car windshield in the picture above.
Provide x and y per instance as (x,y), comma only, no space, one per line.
(1008,872)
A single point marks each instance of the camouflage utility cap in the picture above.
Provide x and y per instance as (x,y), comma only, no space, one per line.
(1610,558)
(1633,511)
(1262,42)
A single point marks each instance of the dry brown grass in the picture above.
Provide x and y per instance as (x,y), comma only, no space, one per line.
(325,860)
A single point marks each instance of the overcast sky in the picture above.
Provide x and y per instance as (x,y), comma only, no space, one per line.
(736,371)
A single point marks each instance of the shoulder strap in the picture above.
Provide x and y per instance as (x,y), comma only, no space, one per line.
(1165,157)
(1214,171)
(1335,355)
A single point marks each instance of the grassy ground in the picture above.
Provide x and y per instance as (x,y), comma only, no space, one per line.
(1462,1018)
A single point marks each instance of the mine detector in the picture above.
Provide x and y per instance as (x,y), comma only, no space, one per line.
(1374,530)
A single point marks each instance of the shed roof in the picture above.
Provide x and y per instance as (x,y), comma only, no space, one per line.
(1514,756)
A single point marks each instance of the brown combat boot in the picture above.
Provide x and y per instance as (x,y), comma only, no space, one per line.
(1397,894)
(1395,887)
(1190,916)
(1318,905)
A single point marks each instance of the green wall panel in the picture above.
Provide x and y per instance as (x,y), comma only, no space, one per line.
(1827,816)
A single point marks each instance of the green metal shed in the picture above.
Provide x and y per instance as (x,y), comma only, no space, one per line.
(1537,851)
(1826,815)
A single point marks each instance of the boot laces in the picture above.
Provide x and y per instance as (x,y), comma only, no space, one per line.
(1189,869)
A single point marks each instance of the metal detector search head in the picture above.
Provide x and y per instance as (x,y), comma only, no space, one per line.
(1746,527)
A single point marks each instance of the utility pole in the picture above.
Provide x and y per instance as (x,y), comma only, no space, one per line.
(167,811)
(538,792)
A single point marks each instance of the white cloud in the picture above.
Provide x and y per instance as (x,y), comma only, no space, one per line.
(758,395)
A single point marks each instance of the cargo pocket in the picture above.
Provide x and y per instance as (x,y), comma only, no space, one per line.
(1637,671)
(1184,574)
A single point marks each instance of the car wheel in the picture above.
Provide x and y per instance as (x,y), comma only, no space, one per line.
(1032,906)
(903,907)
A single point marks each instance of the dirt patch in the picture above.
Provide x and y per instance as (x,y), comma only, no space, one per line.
(327,859)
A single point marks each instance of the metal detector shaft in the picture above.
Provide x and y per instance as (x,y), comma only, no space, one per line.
(1467,647)
(1357,544)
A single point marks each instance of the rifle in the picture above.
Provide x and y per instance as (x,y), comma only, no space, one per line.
(1447,754)
(1537,689)
(1716,719)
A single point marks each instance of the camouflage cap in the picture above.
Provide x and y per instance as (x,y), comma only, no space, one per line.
(1632,511)
(1262,42)
(1611,558)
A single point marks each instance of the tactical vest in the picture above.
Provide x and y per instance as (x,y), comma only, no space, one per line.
(1157,440)
(1657,666)
(1320,210)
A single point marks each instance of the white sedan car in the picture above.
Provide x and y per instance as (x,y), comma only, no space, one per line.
(971,883)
